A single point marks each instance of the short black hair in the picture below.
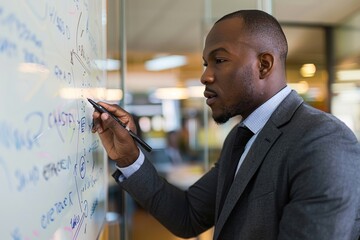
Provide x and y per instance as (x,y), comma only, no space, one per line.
(264,26)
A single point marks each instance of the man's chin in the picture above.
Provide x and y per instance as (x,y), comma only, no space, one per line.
(220,119)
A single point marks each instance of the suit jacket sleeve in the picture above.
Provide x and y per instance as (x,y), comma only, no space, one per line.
(184,213)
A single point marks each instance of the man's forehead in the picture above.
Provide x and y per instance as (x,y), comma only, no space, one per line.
(226,31)
(230,24)
(227,45)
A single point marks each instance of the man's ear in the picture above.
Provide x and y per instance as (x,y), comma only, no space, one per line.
(266,61)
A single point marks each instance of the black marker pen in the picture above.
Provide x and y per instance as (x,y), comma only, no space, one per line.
(101,109)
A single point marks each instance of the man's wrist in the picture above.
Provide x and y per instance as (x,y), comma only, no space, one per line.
(132,168)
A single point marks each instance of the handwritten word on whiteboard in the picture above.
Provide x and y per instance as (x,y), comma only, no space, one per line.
(52,168)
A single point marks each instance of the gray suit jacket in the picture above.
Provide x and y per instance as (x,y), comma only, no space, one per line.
(300,180)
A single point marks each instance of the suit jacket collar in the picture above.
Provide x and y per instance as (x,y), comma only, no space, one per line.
(266,138)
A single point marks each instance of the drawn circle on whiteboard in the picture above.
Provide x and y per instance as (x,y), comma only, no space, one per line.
(86,208)
(82,167)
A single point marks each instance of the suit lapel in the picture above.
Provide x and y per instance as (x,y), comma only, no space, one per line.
(227,152)
(266,138)
(247,170)
(230,167)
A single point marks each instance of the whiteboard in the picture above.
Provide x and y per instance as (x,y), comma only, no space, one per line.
(53,175)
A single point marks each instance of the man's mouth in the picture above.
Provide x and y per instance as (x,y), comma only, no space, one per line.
(211,96)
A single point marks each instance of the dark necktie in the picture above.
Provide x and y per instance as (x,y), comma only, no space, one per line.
(243,135)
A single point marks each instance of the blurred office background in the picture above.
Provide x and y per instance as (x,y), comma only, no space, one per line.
(166,96)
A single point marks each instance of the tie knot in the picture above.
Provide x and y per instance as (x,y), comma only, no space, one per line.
(243,136)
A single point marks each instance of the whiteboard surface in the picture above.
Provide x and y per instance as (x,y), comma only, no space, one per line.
(52,168)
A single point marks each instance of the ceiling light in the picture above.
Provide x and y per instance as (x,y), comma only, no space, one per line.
(308,70)
(349,75)
(171,93)
(78,93)
(167,62)
(301,87)
(106,94)
(196,91)
(113,94)
(108,64)
(33,68)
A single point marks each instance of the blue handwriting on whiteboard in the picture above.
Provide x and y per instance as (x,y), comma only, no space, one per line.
(63,75)
(30,57)
(8,48)
(60,119)
(49,217)
(58,22)
(94,206)
(94,145)
(74,221)
(25,178)
(29,134)
(89,183)
(20,28)
(22,138)
(5,172)
(15,235)
(82,168)
(77,169)
(53,169)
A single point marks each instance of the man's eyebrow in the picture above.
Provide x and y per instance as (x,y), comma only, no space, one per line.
(216,50)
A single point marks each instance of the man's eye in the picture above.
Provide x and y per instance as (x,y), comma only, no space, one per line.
(219,60)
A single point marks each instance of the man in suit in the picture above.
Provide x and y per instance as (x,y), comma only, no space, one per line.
(298,176)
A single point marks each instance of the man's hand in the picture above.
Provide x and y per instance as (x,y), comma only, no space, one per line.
(118,143)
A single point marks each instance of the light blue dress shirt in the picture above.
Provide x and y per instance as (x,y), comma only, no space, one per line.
(257,119)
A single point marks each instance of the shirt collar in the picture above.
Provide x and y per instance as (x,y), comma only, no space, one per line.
(257,119)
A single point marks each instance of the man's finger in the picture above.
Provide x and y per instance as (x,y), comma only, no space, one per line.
(109,123)
(121,114)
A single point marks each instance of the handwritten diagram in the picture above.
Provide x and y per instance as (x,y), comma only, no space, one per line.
(52,168)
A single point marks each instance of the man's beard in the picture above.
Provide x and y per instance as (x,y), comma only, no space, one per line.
(223,118)
(243,102)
